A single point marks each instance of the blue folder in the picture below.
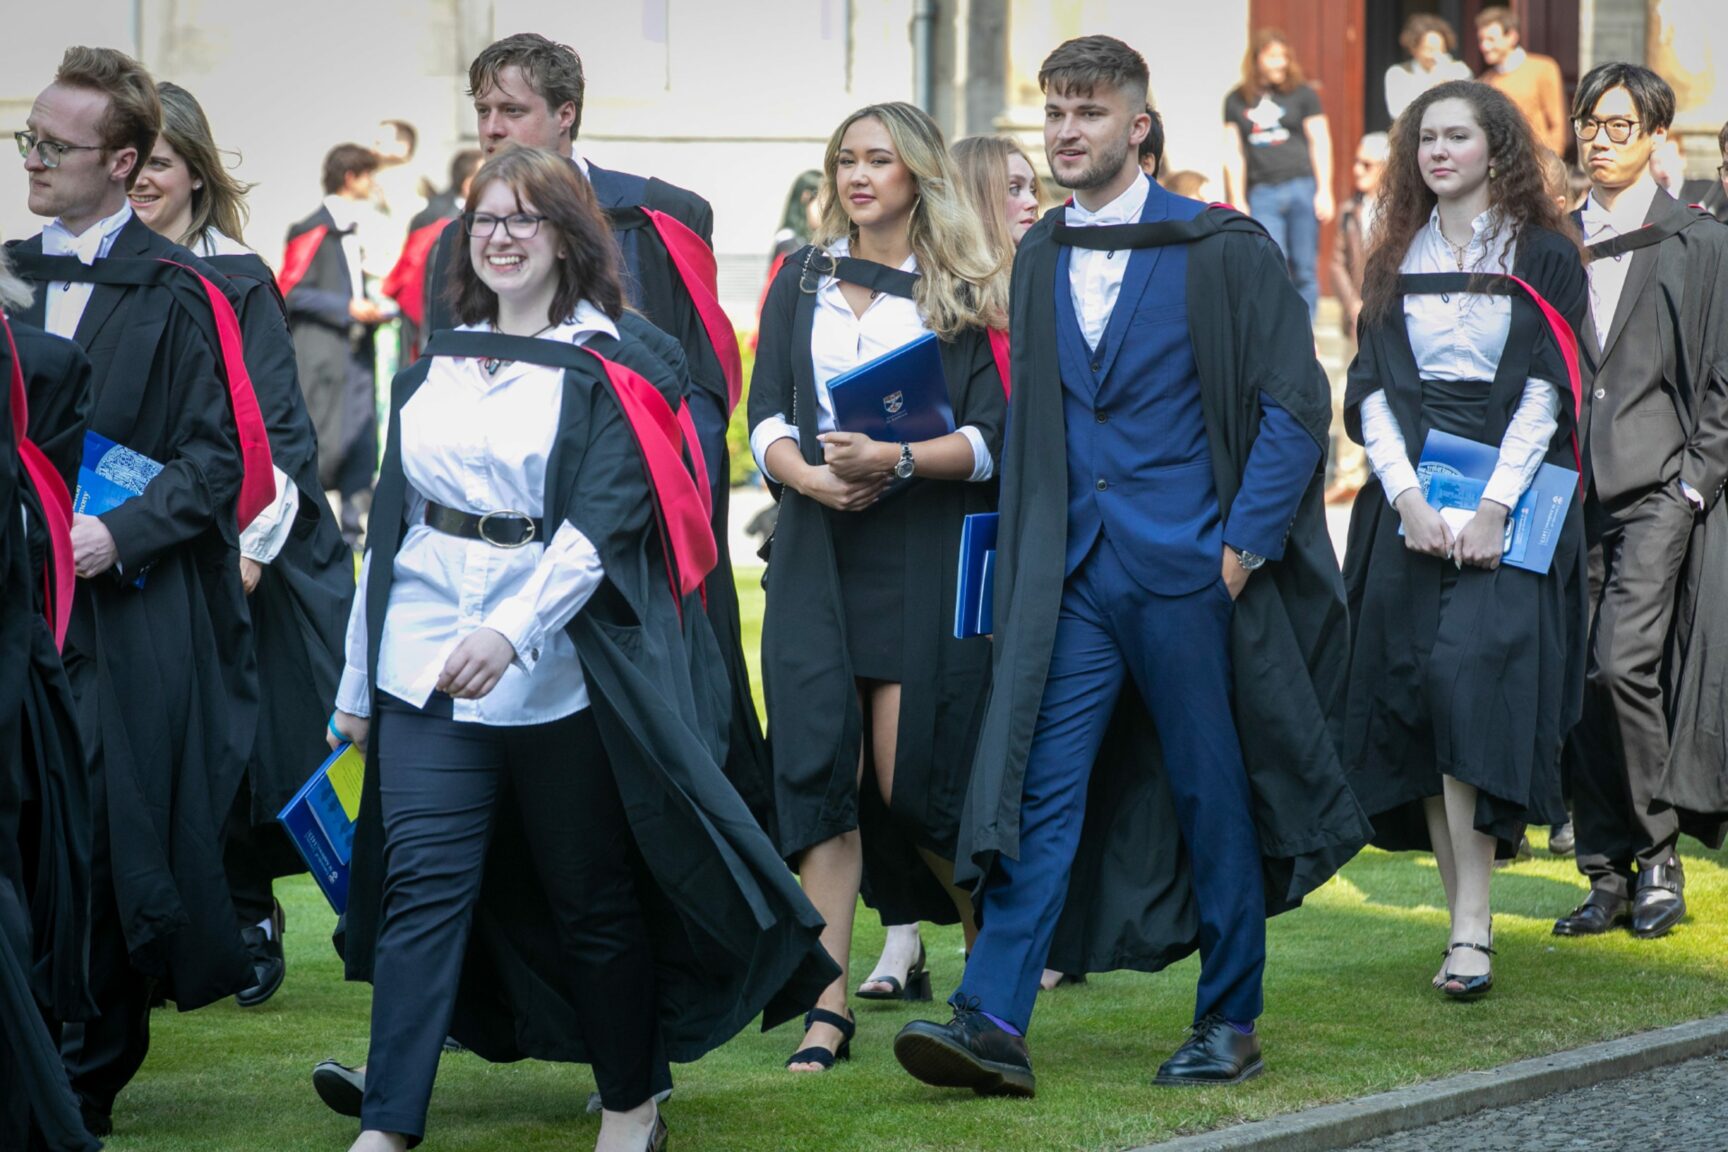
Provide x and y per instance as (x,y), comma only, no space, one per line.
(900,397)
(975,588)
(1454,472)
(109,475)
(320,821)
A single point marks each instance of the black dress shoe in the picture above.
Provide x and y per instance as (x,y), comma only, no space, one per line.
(970,1051)
(340,1087)
(1562,841)
(269,965)
(1214,1053)
(98,1121)
(1601,912)
(1659,902)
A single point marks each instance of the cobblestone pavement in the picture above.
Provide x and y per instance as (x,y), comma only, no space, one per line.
(1683,1108)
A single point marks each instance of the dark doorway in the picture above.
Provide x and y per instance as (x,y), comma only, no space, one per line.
(1381,48)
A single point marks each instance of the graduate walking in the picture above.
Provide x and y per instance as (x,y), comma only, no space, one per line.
(1165,585)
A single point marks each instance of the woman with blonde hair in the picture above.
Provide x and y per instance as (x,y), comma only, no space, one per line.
(860,668)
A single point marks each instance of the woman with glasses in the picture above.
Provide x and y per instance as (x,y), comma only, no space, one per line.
(1466,672)
(297,572)
(873,706)
(549,861)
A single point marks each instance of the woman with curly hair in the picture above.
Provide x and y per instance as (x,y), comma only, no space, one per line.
(1466,672)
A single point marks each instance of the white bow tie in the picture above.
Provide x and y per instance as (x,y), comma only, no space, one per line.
(87,247)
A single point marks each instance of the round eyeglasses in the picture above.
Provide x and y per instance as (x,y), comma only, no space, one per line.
(51,152)
(1619,128)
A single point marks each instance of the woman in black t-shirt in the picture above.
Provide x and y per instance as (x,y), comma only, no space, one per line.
(1279,155)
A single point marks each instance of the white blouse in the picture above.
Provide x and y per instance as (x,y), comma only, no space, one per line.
(480,443)
(1460,336)
(840,340)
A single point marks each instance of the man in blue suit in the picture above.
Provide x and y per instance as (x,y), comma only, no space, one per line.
(1168,427)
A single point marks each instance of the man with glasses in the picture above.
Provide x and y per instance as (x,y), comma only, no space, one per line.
(165,726)
(334,321)
(1654,434)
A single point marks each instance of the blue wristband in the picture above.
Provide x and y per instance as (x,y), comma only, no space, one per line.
(331,724)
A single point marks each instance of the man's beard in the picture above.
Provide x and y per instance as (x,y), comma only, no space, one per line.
(1100,172)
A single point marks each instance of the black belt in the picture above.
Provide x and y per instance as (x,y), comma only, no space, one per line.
(499,529)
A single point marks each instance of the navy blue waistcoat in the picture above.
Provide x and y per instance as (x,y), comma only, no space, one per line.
(1139,468)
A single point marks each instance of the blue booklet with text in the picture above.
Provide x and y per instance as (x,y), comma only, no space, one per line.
(1454,471)
(900,397)
(976,586)
(109,475)
(320,821)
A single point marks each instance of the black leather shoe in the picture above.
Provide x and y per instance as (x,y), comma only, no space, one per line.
(1214,1053)
(1601,912)
(268,963)
(1562,841)
(98,1121)
(1659,902)
(969,1051)
(340,1087)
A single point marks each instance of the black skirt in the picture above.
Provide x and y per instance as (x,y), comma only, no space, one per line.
(870,558)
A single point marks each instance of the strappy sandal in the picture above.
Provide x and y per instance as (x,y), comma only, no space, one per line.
(916,987)
(816,1054)
(1468,987)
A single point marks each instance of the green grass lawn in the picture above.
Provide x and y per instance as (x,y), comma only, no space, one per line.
(1349,1011)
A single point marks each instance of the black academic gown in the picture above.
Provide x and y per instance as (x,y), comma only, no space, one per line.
(732,933)
(300,606)
(653,287)
(159,701)
(1682,255)
(334,354)
(1488,696)
(1130,901)
(813,713)
(44,783)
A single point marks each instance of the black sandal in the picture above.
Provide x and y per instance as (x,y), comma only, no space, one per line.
(816,1054)
(917,986)
(1469,987)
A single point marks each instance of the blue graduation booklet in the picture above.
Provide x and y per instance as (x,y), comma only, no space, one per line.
(899,397)
(976,585)
(109,475)
(320,821)
(1454,472)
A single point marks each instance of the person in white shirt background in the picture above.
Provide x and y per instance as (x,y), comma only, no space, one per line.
(1430,41)
(1464,672)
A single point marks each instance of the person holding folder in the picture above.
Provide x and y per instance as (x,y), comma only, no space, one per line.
(1466,673)
(862,676)
(514,640)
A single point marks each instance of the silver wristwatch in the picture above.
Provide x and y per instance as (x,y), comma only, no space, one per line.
(1248,560)
(903,469)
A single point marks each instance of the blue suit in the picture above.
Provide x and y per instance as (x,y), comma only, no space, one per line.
(1144,601)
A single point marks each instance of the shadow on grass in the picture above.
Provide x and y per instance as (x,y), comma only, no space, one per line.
(1409,880)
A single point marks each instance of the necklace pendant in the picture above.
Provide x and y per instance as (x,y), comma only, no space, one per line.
(492,364)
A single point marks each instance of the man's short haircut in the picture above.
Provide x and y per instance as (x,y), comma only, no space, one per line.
(1505,17)
(1078,67)
(134,115)
(464,164)
(553,70)
(347,160)
(1650,94)
(1153,145)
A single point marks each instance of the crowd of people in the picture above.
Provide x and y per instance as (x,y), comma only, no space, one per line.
(575,841)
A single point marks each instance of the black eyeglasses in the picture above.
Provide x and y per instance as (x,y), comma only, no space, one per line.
(517,226)
(50,151)
(1619,128)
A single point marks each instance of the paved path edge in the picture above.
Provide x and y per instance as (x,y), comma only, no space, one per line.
(1334,1126)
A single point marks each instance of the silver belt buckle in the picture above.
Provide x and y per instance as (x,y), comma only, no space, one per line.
(526,539)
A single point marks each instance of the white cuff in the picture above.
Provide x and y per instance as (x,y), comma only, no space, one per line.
(354,693)
(983,467)
(764,434)
(264,538)
(515,621)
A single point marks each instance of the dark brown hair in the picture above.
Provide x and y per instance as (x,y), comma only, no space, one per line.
(588,269)
(553,70)
(1258,43)
(1505,17)
(346,160)
(221,202)
(1517,193)
(1420,25)
(1079,67)
(1722,139)
(134,115)
(1650,94)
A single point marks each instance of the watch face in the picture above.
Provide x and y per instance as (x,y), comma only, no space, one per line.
(903,469)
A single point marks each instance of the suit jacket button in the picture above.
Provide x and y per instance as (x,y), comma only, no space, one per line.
(1103,485)
(1103,418)
(1096,364)
(1601,393)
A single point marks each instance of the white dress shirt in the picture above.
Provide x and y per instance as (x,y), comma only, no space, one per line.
(840,340)
(66,302)
(481,443)
(1406,81)
(1608,277)
(1461,336)
(263,539)
(346,214)
(1095,278)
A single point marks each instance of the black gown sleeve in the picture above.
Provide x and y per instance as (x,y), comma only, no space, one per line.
(57,388)
(771,383)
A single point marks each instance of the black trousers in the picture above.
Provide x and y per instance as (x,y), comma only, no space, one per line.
(1622,737)
(439,783)
(246,861)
